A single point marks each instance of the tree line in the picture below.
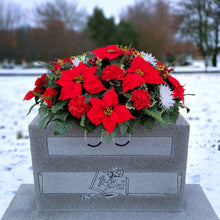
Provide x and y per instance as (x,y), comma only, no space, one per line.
(59,29)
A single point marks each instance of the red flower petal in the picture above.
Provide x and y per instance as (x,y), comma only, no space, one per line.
(78,107)
(110,52)
(96,102)
(110,98)
(68,75)
(178,88)
(70,89)
(29,96)
(141,99)
(143,68)
(96,115)
(48,96)
(109,124)
(131,81)
(41,80)
(112,72)
(123,113)
(108,112)
(114,117)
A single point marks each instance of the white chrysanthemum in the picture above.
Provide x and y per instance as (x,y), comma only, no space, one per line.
(76,61)
(83,58)
(166,97)
(148,58)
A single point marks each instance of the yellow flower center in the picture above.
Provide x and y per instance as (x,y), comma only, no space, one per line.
(139,72)
(108,111)
(79,79)
(161,68)
(166,73)
(109,51)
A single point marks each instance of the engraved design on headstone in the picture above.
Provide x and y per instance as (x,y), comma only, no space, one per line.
(110,184)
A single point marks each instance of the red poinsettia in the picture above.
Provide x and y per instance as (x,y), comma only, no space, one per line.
(40,84)
(110,52)
(141,99)
(73,80)
(178,88)
(140,72)
(78,107)
(108,111)
(48,96)
(66,60)
(112,72)
(164,70)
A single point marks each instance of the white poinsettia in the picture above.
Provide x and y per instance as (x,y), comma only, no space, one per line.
(148,58)
(166,97)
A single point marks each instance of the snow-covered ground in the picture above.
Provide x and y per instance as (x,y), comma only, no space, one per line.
(204,118)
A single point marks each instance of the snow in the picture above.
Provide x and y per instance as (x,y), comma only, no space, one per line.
(203,158)
(19,70)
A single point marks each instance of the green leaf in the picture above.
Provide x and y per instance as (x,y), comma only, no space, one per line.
(123,127)
(174,116)
(89,126)
(52,84)
(45,119)
(174,113)
(63,126)
(132,124)
(187,110)
(149,123)
(130,105)
(62,116)
(82,121)
(166,116)
(58,106)
(30,109)
(155,114)
(108,138)
(43,110)
(127,95)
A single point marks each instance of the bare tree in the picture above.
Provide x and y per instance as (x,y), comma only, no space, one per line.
(60,11)
(58,29)
(154,22)
(10,16)
(200,23)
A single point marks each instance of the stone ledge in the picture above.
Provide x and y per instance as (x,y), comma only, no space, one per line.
(196,207)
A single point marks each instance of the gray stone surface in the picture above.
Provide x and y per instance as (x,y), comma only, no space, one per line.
(156,163)
(196,207)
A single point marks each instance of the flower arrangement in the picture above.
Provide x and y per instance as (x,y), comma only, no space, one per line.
(114,87)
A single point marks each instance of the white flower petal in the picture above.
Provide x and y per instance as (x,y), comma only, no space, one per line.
(166,97)
(76,61)
(148,58)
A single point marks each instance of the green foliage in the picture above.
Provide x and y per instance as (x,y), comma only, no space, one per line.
(155,114)
(123,127)
(82,121)
(59,106)
(32,108)
(108,138)
(61,116)
(149,123)
(174,113)
(62,127)
(132,124)
(43,110)
(45,120)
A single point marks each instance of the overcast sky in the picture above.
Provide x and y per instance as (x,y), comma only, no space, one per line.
(110,7)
